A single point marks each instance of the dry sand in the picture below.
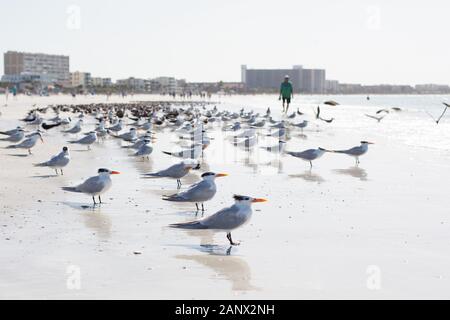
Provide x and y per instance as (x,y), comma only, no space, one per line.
(378,231)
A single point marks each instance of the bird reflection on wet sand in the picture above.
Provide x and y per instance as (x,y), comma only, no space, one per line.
(309,176)
(355,172)
(224,265)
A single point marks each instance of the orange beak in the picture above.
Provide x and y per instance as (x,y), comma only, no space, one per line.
(115,172)
(221,175)
(259,200)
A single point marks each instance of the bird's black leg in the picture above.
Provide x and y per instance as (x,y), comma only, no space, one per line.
(196,205)
(29,151)
(203,208)
(178,184)
(93,198)
(310,163)
(99,199)
(56,170)
(231,240)
(62,173)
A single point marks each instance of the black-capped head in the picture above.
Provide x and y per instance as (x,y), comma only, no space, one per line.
(212,175)
(247,200)
(65,149)
(107,171)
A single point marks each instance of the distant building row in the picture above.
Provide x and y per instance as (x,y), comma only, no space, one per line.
(46,69)
(303,80)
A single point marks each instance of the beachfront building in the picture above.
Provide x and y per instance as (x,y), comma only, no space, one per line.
(40,65)
(134,84)
(269,79)
(81,79)
(101,82)
(303,80)
(331,86)
(432,88)
(312,81)
(167,84)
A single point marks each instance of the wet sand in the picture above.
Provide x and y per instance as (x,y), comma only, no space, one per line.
(321,234)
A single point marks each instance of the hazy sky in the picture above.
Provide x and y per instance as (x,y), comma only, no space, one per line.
(207,40)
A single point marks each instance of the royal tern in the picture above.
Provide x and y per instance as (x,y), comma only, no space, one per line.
(16,137)
(145,149)
(375,117)
(301,125)
(48,126)
(200,192)
(129,136)
(28,143)
(177,171)
(279,148)
(11,132)
(76,128)
(95,186)
(117,127)
(87,140)
(193,153)
(356,152)
(308,155)
(227,219)
(331,103)
(442,114)
(320,118)
(57,162)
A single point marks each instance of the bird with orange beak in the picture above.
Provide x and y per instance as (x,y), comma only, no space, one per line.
(95,186)
(227,219)
(200,192)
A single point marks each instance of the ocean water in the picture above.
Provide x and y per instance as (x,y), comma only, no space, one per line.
(412,126)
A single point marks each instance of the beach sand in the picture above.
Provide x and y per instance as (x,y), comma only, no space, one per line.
(380,230)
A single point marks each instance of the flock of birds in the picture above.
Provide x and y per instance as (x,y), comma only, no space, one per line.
(137,124)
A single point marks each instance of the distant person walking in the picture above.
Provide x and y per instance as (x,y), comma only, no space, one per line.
(286,93)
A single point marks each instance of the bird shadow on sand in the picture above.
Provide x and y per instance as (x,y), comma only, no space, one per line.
(48,176)
(226,266)
(20,155)
(308,176)
(82,206)
(354,172)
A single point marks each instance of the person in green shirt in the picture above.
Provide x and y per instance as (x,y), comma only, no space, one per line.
(286,93)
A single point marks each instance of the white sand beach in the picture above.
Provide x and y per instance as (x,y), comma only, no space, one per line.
(377,231)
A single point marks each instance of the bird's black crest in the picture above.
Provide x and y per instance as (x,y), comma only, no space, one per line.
(103,170)
(240,198)
(208,174)
(65,149)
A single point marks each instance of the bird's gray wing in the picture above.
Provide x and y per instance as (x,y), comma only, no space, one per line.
(91,185)
(225,219)
(26,143)
(54,160)
(174,171)
(352,151)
